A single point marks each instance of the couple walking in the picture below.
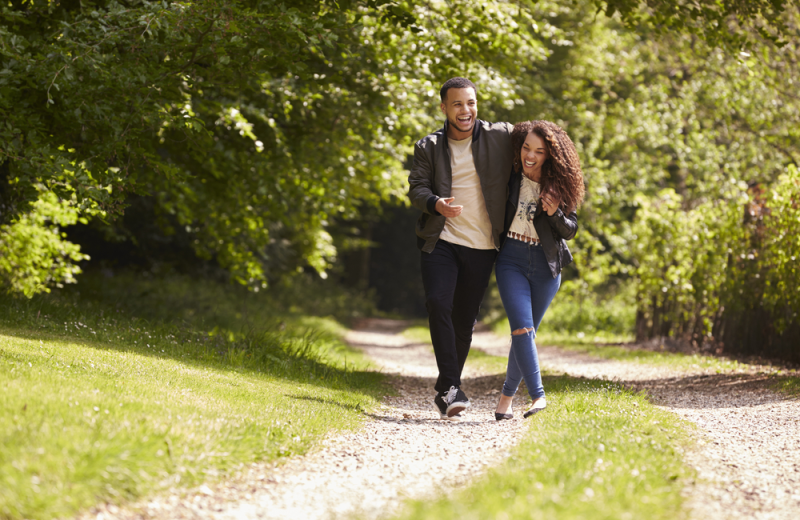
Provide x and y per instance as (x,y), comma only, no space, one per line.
(491,192)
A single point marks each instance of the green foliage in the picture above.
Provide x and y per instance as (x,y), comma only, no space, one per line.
(35,254)
(683,258)
(780,257)
(726,22)
(91,92)
(578,309)
(598,451)
(206,304)
(253,125)
(670,131)
(257,129)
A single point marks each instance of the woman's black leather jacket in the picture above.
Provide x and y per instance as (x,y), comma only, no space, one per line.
(553,230)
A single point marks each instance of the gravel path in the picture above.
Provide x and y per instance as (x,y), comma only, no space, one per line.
(748,462)
(403,451)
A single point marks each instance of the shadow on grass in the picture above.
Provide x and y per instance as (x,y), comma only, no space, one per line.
(265,353)
(202,323)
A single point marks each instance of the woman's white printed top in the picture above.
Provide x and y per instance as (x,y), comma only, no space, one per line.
(528,200)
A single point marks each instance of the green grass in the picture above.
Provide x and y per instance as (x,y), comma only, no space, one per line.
(97,405)
(185,300)
(598,451)
(477,358)
(418,334)
(549,335)
(486,362)
(789,385)
(601,345)
(674,360)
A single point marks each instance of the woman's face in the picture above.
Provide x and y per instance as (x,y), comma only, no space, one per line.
(533,155)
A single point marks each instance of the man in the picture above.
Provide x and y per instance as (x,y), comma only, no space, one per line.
(459,181)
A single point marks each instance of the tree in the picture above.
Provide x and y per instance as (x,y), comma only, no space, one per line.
(735,24)
(251,124)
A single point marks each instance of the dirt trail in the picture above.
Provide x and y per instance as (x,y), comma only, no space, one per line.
(748,462)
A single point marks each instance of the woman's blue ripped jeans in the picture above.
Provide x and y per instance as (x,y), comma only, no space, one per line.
(526,287)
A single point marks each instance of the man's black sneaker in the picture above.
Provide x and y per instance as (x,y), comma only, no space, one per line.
(441,407)
(452,402)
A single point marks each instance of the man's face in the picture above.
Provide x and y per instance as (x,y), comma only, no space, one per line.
(460,106)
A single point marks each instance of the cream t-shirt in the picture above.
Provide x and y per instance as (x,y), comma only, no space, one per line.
(529,193)
(472,228)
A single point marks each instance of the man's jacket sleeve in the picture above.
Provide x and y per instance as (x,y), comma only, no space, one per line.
(420,182)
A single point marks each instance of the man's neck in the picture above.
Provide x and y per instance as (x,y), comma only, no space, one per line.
(457,135)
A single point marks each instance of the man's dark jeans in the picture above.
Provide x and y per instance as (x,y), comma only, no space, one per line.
(455,278)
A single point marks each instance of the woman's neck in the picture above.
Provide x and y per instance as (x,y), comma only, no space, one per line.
(535,176)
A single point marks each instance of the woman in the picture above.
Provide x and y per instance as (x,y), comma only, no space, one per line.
(545,189)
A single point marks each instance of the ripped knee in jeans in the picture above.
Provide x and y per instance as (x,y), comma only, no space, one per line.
(520,332)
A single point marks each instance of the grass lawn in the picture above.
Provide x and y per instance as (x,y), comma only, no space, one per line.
(96,405)
(598,451)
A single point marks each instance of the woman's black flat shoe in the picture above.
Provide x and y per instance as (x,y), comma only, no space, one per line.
(503,416)
(532,411)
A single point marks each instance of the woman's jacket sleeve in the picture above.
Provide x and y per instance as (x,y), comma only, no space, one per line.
(565,225)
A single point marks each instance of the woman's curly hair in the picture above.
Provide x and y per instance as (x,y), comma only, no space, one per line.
(561,172)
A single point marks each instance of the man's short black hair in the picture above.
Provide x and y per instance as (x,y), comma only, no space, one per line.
(456,83)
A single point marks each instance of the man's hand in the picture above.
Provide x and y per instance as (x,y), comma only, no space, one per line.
(443,206)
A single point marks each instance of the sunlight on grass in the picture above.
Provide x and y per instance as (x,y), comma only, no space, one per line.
(673,360)
(546,336)
(99,406)
(486,363)
(418,334)
(477,359)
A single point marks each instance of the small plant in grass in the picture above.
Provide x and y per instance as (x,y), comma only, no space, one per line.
(789,385)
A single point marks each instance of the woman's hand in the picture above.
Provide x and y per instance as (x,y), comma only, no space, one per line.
(550,203)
